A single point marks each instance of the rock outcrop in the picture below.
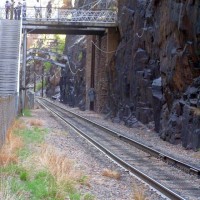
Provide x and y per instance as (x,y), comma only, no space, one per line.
(154,73)
(162,42)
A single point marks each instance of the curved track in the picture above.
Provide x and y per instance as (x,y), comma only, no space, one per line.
(135,157)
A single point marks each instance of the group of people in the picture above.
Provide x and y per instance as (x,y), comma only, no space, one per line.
(13,11)
(38,10)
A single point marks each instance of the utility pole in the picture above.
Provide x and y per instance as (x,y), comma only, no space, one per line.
(34,77)
(23,89)
(42,80)
(93,63)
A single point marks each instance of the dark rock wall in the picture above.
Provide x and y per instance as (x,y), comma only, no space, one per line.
(157,60)
(153,75)
(72,84)
(137,60)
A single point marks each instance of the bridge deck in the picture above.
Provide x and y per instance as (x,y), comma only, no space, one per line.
(65,21)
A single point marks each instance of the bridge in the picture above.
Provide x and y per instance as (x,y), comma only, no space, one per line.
(65,21)
(58,21)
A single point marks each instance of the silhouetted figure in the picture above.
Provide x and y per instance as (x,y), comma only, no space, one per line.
(7,9)
(49,10)
(12,4)
(18,10)
(24,10)
(91,94)
(38,14)
(15,11)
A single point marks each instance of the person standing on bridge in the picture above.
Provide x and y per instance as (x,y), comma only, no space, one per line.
(18,10)
(15,11)
(38,13)
(24,10)
(49,10)
(7,8)
(12,5)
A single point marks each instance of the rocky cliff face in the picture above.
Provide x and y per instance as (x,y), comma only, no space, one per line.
(159,64)
(72,84)
(154,74)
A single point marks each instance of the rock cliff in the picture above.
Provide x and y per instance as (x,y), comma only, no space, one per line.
(154,73)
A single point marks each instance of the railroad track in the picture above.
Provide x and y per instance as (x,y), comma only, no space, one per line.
(135,157)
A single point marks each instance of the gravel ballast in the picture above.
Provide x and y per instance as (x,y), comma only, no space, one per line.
(91,162)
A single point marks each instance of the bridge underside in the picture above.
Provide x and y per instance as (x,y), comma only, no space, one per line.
(63,30)
(41,27)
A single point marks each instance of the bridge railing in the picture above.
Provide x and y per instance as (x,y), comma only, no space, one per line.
(61,15)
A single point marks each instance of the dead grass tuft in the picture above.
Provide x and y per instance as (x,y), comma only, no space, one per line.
(58,165)
(8,150)
(111,174)
(36,122)
(197,154)
(6,190)
(196,111)
(138,193)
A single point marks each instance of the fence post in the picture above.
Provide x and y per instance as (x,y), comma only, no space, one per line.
(23,89)
(58,13)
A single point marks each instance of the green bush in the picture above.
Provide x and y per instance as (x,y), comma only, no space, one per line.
(80,56)
(27,112)
(47,66)
(39,85)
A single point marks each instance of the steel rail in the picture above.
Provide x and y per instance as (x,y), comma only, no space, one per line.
(172,161)
(153,183)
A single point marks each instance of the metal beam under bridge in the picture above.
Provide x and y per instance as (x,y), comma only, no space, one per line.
(47,28)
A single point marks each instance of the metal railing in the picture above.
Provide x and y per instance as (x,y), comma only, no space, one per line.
(10,34)
(61,15)
(7,115)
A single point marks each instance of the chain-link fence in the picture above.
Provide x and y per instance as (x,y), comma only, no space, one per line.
(7,115)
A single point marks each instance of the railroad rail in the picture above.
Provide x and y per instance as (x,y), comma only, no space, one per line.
(173,186)
(166,158)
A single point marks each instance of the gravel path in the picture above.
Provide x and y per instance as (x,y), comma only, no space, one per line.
(92,163)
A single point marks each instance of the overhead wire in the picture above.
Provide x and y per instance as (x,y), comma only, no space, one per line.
(114,51)
(87,4)
(143,30)
(74,73)
(103,50)
(68,62)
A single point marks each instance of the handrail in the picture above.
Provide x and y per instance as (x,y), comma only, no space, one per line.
(63,15)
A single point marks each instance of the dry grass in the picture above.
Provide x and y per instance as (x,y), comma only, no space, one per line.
(58,165)
(36,122)
(5,193)
(196,111)
(111,174)
(5,190)
(138,193)
(197,154)
(13,142)
(18,125)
